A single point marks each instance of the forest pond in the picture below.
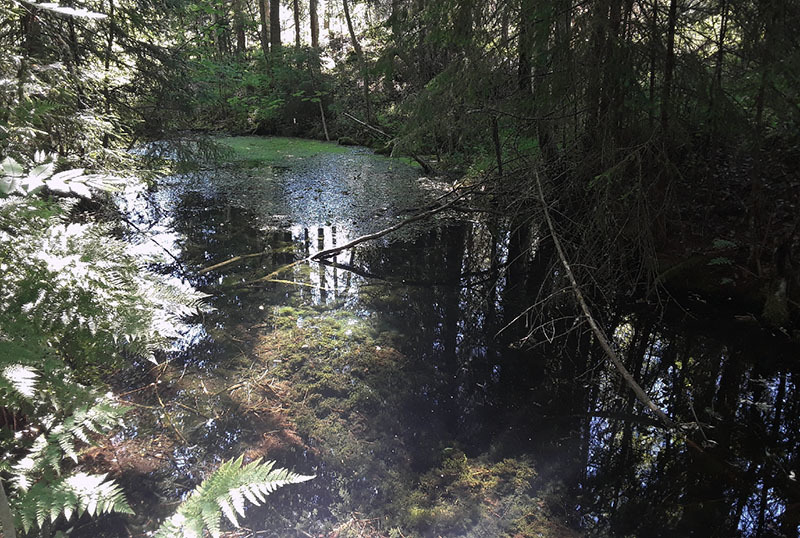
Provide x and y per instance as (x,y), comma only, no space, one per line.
(406,376)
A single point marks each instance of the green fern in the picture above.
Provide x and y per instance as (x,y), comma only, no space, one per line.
(225,492)
(70,495)
(48,450)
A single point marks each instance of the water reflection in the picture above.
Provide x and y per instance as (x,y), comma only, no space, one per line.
(491,374)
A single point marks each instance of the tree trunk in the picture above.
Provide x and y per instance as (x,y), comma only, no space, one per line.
(107,66)
(296,7)
(263,12)
(595,70)
(669,65)
(238,26)
(716,83)
(361,60)
(275,25)
(463,23)
(395,18)
(312,12)
(524,47)
(654,37)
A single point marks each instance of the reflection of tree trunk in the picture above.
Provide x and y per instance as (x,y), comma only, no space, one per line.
(513,295)
(312,14)
(362,62)
(454,238)
(263,13)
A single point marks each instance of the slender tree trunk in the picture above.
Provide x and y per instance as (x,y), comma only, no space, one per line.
(361,60)
(595,70)
(504,23)
(238,26)
(107,66)
(669,65)
(716,83)
(296,7)
(313,69)
(73,43)
(275,26)
(312,13)
(654,41)
(31,31)
(498,153)
(525,47)
(463,23)
(395,18)
(263,12)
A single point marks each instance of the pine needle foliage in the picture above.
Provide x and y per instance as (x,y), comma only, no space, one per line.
(225,492)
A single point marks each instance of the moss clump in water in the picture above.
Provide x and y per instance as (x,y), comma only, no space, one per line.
(475,497)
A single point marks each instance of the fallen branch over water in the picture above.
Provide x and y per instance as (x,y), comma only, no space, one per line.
(601,338)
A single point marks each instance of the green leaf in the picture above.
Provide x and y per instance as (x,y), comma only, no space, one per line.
(723,244)
(8,185)
(11,167)
(720,261)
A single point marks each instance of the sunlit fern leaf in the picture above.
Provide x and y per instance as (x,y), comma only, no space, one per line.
(224,492)
(69,495)
(48,451)
(21,378)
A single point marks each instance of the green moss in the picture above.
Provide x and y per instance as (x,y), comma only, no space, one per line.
(277,151)
(470,496)
(348,389)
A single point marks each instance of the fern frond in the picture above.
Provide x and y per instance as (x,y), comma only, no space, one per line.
(21,378)
(74,494)
(225,492)
(48,450)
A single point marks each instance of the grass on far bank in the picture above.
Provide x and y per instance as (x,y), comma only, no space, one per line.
(285,151)
(278,151)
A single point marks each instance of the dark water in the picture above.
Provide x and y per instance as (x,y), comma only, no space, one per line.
(425,393)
